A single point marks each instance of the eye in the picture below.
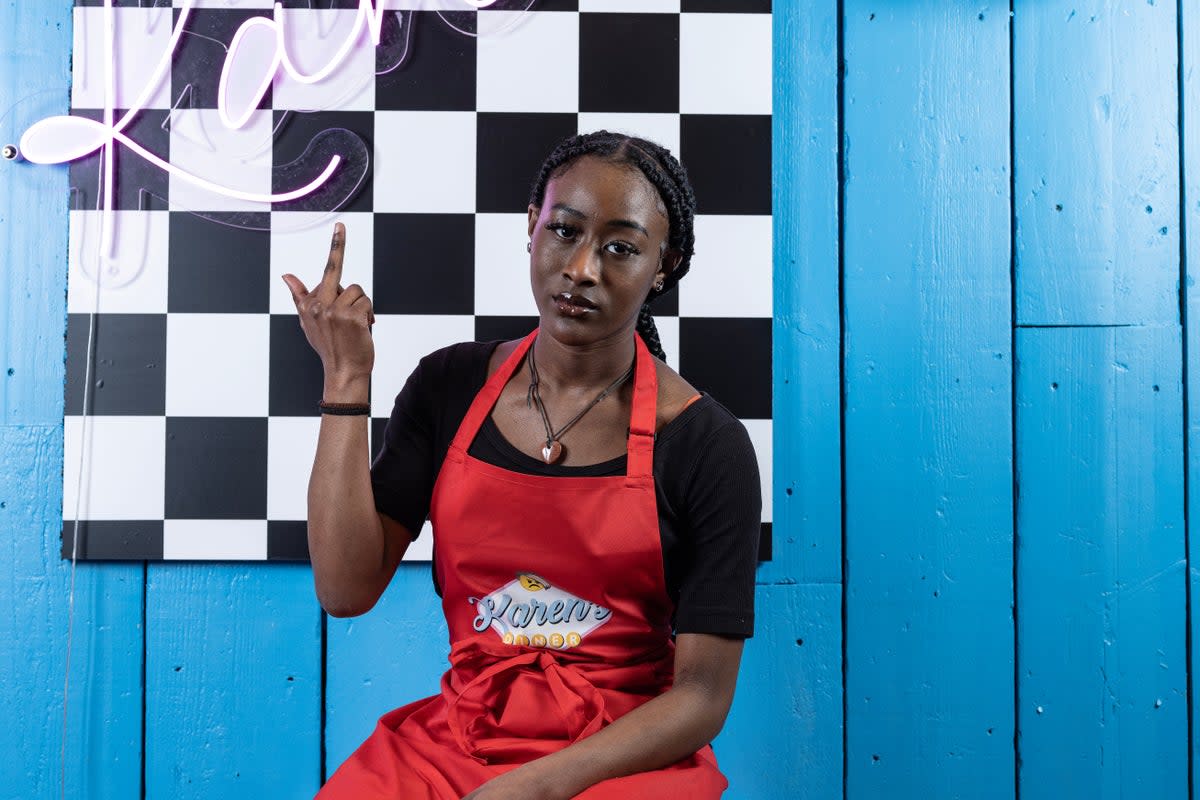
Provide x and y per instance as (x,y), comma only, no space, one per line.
(621,249)
(561,230)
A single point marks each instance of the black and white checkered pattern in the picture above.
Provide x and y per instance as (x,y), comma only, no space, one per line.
(202,424)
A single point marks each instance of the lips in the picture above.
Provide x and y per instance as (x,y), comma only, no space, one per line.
(569,302)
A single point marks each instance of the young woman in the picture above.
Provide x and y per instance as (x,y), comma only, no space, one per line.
(595,517)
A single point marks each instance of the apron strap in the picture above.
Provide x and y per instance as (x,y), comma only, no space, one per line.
(481,406)
(642,418)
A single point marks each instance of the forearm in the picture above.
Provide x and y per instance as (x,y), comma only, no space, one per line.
(658,733)
(345,536)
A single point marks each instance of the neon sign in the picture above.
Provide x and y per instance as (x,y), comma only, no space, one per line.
(269,34)
(259,43)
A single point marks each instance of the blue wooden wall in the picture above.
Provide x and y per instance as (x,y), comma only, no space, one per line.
(984,222)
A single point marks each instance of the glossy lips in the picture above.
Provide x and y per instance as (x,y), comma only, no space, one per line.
(573,305)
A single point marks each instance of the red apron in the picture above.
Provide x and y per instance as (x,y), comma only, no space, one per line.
(559,623)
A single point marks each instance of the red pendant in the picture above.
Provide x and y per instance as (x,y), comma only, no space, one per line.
(552,452)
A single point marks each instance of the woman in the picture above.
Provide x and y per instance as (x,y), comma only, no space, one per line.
(586,503)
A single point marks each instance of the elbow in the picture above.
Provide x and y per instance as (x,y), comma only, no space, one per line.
(713,724)
(343,592)
(710,707)
(344,605)
(344,610)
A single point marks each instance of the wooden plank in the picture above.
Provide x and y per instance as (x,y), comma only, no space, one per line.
(104,742)
(35,53)
(788,708)
(1100,581)
(1189,30)
(929,632)
(807,500)
(1097,162)
(233,681)
(103,748)
(394,654)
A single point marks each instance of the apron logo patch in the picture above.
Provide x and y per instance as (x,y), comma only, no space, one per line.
(529,611)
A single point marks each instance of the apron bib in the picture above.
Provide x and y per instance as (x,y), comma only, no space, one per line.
(559,622)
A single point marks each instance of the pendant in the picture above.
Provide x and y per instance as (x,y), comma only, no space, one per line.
(552,452)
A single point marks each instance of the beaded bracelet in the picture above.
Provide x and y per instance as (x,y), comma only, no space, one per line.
(345,409)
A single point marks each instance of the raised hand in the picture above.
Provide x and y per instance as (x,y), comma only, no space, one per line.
(337,323)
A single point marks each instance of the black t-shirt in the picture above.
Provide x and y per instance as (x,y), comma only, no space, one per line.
(705,475)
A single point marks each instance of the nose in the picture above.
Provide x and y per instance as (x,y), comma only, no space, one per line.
(583,266)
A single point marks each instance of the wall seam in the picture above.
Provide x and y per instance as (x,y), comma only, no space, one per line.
(1075,326)
(841,239)
(1183,319)
(145,591)
(1012,348)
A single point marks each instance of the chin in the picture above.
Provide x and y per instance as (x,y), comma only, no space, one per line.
(568,330)
(576,332)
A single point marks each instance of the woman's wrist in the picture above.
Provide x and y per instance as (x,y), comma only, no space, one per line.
(346,389)
(543,782)
(563,774)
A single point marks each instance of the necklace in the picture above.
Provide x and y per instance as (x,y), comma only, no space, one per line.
(553,449)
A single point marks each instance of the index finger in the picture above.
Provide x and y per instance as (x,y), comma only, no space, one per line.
(330,281)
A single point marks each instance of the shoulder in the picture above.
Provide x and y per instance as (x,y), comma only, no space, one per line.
(457,356)
(464,364)
(693,418)
(674,393)
(708,431)
(706,452)
(498,353)
(439,377)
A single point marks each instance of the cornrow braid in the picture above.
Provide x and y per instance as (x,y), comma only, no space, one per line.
(649,332)
(665,174)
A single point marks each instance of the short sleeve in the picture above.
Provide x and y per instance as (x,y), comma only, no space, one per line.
(721,521)
(426,414)
(403,472)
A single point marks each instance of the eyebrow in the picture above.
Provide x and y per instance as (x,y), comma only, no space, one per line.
(617,223)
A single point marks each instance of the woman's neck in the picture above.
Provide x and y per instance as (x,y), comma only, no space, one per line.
(582,367)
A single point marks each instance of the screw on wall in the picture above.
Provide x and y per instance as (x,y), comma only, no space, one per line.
(10,152)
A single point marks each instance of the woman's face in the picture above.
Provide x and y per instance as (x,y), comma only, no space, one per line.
(599,241)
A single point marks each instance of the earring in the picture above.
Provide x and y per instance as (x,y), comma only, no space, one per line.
(529,247)
(658,287)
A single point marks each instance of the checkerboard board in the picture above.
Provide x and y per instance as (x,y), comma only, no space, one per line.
(201,421)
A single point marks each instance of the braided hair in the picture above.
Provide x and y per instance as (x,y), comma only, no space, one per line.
(665,174)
